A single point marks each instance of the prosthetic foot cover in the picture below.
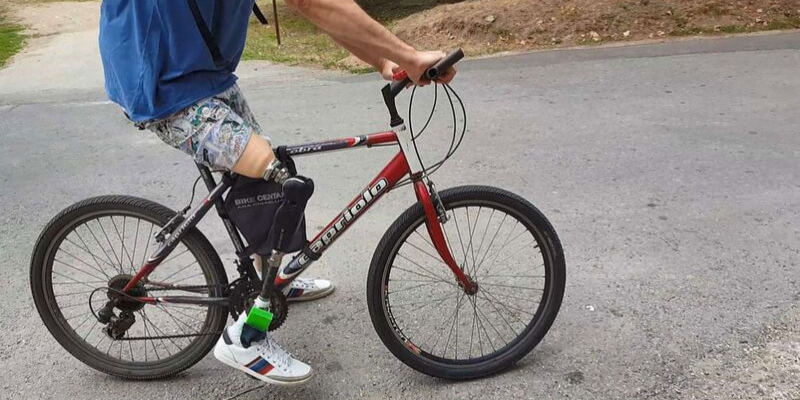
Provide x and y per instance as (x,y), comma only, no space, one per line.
(255,327)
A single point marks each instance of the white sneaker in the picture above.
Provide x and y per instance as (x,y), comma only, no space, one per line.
(302,289)
(265,360)
(308,289)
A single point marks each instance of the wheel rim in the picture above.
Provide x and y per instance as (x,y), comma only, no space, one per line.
(99,247)
(431,315)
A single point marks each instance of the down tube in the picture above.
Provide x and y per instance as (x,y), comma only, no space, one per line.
(385,181)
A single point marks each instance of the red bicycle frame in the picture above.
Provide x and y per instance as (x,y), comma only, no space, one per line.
(399,166)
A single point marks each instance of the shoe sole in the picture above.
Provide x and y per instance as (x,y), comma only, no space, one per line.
(233,364)
(315,296)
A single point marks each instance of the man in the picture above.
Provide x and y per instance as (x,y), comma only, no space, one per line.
(175,79)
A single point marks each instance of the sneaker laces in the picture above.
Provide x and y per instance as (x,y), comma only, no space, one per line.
(303,283)
(272,350)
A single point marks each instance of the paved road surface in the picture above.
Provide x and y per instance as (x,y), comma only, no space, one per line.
(670,171)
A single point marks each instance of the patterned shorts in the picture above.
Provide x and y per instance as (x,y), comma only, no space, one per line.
(215,131)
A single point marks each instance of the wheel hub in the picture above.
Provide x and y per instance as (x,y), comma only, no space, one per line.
(473,286)
(123,302)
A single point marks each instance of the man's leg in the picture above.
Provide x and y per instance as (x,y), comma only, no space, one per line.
(301,289)
(216,135)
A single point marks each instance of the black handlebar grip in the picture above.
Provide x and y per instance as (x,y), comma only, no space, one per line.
(444,64)
(432,73)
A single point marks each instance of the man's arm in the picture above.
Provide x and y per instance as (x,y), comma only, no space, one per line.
(385,67)
(368,40)
(350,26)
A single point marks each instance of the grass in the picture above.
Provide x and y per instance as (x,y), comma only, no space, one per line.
(788,23)
(11,40)
(304,44)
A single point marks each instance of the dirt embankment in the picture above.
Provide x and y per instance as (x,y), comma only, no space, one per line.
(61,50)
(53,18)
(485,26)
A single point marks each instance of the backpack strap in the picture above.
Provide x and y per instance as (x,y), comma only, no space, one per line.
(208,37)
(259,15)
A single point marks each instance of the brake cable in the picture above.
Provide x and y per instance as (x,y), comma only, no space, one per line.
(454,143)
(453,146)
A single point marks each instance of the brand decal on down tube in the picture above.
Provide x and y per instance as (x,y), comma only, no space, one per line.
(348,215)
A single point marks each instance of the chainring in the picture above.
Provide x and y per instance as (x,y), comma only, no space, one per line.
(243,294)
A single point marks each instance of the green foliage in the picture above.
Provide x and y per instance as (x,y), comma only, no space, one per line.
(786,23)
(11,41)
(733,28)
(303,43)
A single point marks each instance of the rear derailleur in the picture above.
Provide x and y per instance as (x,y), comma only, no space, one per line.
(116,327)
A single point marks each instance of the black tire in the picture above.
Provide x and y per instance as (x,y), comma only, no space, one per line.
(41,278)
(443,366)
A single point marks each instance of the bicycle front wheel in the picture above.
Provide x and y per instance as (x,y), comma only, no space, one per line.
(89,252)
(426,319)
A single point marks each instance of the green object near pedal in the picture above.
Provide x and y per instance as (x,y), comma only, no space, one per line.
(259,319)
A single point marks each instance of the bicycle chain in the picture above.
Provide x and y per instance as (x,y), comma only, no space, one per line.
(283,306)
(186,335)
(168,336)
(157,289)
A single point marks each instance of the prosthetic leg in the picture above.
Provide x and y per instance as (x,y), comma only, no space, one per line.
(296,192)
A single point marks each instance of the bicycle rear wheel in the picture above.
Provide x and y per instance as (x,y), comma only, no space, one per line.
(89,252)
(428,322)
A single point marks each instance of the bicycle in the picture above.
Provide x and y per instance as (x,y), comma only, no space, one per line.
(152,317)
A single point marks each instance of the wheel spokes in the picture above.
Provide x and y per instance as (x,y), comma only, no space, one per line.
(429,308)
(94,252)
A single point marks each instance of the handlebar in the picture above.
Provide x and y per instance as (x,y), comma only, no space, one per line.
(391,90)
(444,64)
(432,73)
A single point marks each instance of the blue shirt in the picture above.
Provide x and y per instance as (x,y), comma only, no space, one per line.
(154,57)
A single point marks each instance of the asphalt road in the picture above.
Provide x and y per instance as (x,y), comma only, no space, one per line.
(670,171)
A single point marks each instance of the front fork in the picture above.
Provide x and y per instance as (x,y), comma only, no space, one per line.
(435,217)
